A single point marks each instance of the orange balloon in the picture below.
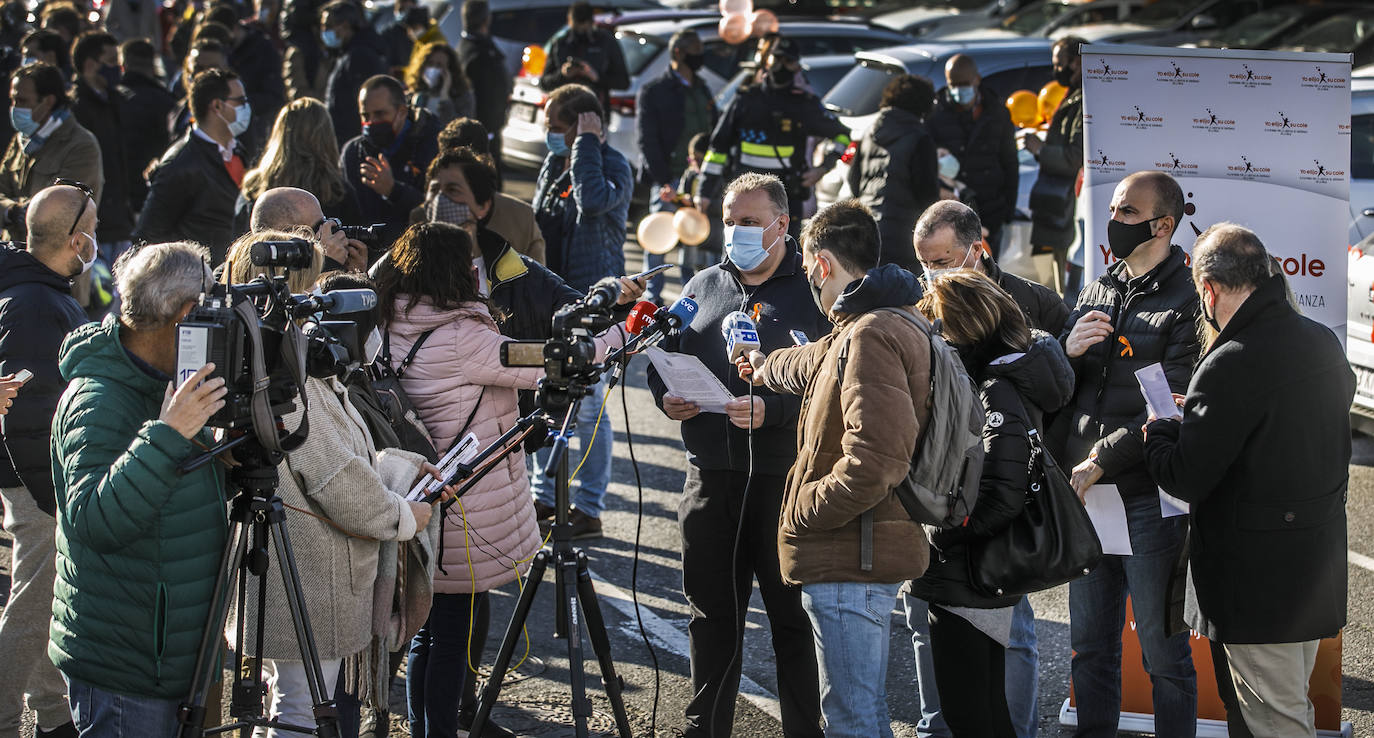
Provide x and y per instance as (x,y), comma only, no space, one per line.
(532,61)
(1024,108)
(734,28)
(762,23)
(1050,96)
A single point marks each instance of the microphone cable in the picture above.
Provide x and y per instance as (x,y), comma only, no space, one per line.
(740,622)
(634,566)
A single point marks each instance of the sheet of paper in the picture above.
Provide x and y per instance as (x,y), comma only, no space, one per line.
(1108,514)
(463,451)
(1155,386)
(688,378)
(1170,506)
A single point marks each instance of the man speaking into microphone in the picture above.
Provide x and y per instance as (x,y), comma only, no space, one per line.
(732,489)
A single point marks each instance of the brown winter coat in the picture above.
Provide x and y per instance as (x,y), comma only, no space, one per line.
(70,152)
(855,439)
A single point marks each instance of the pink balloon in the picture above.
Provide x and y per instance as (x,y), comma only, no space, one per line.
(734,28)
(730,7)
(762,23)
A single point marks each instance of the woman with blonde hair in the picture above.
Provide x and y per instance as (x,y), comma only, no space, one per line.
(437,83)
(301,152)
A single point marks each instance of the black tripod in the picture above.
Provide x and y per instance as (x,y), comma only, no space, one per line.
(576,600)
(256,519)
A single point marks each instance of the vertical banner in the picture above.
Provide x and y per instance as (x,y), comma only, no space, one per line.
(1258,138)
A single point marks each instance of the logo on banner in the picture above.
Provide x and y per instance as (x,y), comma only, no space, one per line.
(1248,77)
(1139,119)
(1104,71)
(1176,165)
(1320,79)
(1343,129)
(1176,75)
(1285,125)
(1212,122)
(1247,170)
(1104,164)
(1321,173)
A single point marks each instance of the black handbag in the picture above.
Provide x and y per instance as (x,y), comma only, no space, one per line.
(1052,542)
(1052,200)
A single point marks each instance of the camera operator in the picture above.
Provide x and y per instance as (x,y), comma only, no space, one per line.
(290,208)
(343,497)
(139,543)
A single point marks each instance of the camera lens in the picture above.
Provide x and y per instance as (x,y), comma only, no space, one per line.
(296,253)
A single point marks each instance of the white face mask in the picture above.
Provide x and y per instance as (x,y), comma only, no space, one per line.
(86,265)
(373,345)
(932,274)
(949,166)
(433,76)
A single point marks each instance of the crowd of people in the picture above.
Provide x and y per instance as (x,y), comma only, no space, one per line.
(128,192)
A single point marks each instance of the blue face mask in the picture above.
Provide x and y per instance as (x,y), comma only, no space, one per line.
(330,39)
(964,94)
(243,115)
(557,144)
(22,120)
(744,245)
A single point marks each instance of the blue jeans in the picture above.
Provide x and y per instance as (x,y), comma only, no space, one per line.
(931,724)
(102,714)
(439,683)
(589,495)
(1023,671)
(1097,613)
(851,621)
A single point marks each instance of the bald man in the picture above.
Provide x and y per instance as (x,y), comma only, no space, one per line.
(1143,310)
(293,209)
(970,122)
(37,312)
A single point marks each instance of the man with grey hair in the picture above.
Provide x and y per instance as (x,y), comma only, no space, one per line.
(767,281)
(673,109)
(1262,455)
(37,312)
(291,209)
(140,541)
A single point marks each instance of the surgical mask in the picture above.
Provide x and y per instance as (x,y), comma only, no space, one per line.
(86,265)
(373,345)
(1211,317)
(111,74)
(330,39)
(243,115)
(1063,75)
(933,274)
(28,60)
(433,76)
(558,145)
(816,293)
(744,245)
(949,166)
(781,76)
(381,135)
(22,120)
(1124,238)
(963,94)
(694,61)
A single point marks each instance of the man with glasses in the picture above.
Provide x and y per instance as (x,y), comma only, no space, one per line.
(36,314)
(195,187)
(290,209)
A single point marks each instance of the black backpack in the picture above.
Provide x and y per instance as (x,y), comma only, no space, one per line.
(387,395)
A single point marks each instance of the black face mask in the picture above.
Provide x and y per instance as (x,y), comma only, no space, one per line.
(1063,75)
(381,135)
(694,61)
(781,76)
(1124,238)
(111,74)
(1211,317)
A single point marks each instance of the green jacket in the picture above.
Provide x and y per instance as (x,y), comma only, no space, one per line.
(138,545)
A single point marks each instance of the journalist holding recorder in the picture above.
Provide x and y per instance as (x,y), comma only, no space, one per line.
(138,544)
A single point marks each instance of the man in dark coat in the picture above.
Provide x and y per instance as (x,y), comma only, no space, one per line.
(143,109)
(1262,455)
(358,57)
(1060,156)
(485,66)
(37,312)
(1142,311)
(972,123)
(96,102)
(581,53)
(258,63)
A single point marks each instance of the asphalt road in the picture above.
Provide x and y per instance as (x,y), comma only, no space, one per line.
(657,685)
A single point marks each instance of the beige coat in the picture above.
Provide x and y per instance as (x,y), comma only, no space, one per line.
(70,152)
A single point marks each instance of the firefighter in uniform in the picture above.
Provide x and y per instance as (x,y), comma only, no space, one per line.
(766,128)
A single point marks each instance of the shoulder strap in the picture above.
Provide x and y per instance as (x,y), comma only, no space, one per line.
(414,349)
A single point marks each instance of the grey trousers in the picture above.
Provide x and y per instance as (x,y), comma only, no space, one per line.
(1271,687)
(24,625)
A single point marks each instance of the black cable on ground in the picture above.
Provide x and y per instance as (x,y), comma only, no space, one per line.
(740,622)
(634,567)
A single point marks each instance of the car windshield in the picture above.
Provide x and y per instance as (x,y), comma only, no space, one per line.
(1162,12)
(639,50)
(1033,17)
(860,91)
(1339,33)
(1251,30)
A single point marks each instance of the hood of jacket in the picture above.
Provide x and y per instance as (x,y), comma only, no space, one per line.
(1042,375)
(886,286)
(894,123)
(424,316)
(18,266)
(94,350)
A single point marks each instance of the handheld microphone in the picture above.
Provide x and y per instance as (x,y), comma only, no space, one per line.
(603,295)
(741,335)
(336,302)
(641,315)
(650,324)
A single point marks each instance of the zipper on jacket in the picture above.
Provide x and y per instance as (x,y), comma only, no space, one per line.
(1112,340)
(159,631)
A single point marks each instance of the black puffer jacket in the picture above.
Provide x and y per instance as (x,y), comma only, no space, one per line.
(1154,319)
(191,198)
(986,149)
(103,118)
(1043,308)
(896,174)
(37,312)
(1017,391)
(363,58)
(1062,156)
(409,157)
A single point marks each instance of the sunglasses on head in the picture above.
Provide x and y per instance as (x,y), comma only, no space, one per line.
(90,197)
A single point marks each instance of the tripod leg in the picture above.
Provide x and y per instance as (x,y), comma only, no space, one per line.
(191,713)
(517,621)
(567,563)
(601,644)
(326,716)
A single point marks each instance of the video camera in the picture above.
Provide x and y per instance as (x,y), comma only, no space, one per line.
(250,333)
(569,356)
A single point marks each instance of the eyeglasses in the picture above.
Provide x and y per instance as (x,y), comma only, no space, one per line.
(90,197)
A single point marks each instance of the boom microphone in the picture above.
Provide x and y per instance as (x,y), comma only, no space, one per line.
(741,335)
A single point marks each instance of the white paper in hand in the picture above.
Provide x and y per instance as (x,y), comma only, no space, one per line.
(462,452)
(686,377)
(1108,514)
(1155,386)
(1170,506)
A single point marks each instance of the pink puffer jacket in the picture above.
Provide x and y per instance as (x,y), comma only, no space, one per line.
(451,369)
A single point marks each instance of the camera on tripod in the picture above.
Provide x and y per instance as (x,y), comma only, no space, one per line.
(569,356)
